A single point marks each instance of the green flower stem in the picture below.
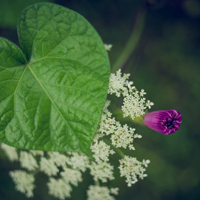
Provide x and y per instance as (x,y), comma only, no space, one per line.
(119,116)
(117,150)
(97,182)
(138,120)
(131,43)
(35,172)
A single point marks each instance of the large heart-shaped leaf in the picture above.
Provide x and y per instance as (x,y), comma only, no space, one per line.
(53,91)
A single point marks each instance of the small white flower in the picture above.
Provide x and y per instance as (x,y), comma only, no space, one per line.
(145,162)
(48,166)
(59,188)
(137,136)
(149,104)
(24,182)
(11,152)
(114,191)
(142,92)
(108,47)
(28,161)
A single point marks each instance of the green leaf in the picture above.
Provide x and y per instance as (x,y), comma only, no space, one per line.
(54,101)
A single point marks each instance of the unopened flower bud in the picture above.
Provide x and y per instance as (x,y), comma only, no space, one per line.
(163,121)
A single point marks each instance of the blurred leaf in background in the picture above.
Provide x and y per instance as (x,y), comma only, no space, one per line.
(10,11)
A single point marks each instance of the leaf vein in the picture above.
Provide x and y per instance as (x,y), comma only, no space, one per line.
(53,103)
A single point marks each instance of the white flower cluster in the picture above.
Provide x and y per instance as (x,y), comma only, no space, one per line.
(11,152)
(24,182)
(130,167)
(108,47)
(120,136)
(28,161)
(65,170)
(101,169)
(134,102)
(99,193)
(52,164)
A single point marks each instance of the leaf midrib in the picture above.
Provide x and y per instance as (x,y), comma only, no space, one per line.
(46,92)
(18,86)
(28,66)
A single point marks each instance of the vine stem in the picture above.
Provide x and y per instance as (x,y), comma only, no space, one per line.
(132,41)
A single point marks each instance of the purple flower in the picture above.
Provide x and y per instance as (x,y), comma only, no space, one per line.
(163,121)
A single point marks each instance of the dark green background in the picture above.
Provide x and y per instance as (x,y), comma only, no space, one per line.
(166,63)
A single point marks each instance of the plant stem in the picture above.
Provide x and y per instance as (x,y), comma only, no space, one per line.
(97,182)
(119,151)
(119,116)
(132,41)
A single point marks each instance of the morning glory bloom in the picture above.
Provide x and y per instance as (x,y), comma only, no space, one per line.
(163,121)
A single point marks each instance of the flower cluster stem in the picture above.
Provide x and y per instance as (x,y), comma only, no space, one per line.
(117,150)
(97,182)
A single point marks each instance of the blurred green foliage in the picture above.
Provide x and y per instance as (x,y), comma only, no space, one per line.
(166,63)
(10,11)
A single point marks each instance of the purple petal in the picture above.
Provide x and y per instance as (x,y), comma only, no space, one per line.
(163,121)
